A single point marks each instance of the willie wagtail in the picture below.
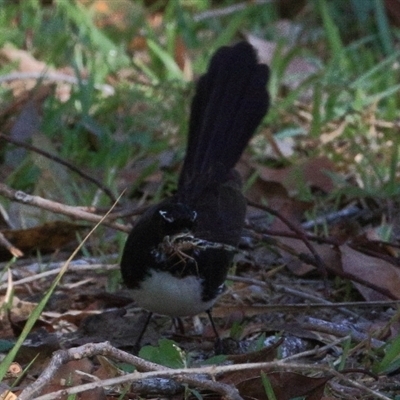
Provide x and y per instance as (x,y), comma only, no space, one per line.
(179,251)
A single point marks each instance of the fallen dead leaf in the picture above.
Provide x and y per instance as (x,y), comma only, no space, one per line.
(330,256)
(46,238)
(313,173)
(24,60)
(286,385)
(266,354)
(26,64)
(68,375)
(371,269)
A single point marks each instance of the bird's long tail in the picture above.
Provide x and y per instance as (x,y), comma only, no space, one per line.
(230,101)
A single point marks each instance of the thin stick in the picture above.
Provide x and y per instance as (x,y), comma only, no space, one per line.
(59,208)
(54,77)
(192,376)
(63,356)
(15,252)
(316,260)
(59,160)
(72,268)
(302,236)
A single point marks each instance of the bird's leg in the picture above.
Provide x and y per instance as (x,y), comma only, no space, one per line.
(142,332)
(218,342)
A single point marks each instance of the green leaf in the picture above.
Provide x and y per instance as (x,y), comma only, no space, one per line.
(384,31)
(391,360)
(167,353)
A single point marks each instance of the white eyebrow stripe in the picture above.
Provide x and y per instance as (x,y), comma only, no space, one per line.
(164,214)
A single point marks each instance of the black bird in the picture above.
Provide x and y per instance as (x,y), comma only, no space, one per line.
(179,251)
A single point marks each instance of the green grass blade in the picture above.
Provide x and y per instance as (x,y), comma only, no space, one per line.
(332,32)
(384,31)
(380,67)
(8,359)
(391,357)
(269,391)
(172,68)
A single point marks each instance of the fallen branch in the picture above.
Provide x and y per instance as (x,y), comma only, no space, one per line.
(105,349)
(202,377)
(58,208)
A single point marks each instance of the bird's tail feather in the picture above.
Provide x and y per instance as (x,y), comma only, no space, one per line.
(230,102)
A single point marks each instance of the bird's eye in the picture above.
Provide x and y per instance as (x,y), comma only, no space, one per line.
(165,215)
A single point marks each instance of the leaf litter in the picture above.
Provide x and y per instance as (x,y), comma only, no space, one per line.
(277,303)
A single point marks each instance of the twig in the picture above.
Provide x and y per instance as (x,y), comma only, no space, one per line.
(341,329)
(345,213)
(193,376)
(72,268)
(129,213)
(55,77)
(59,208)
(63,356)
(10,247)
(301,235)
(316,260)
(298,293)
(58,160)
(362,248)
(351,382)
(317,350)
(311,237)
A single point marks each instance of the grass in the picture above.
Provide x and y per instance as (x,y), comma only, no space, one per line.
(107,132)
(136,126)
(9,358)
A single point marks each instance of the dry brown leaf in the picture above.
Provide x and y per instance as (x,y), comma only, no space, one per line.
(264,355)
(24,60)
(371,269)
(46,238)
(27,64)
(182,58)
(286,385)
(330,255)
(280,186)
(274,193)
(313,173)
(67,376)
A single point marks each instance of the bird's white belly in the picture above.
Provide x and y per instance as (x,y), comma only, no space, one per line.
(163,293)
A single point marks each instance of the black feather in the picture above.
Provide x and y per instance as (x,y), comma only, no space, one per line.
(230,102)
(195,232)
